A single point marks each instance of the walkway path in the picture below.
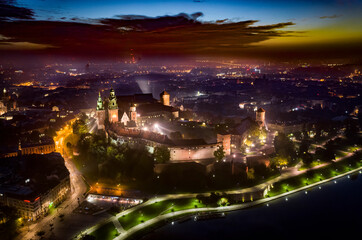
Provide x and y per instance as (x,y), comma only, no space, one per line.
(118,226)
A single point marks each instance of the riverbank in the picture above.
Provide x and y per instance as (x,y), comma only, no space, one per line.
(146,226)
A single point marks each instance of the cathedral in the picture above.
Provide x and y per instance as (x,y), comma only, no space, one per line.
(135,110)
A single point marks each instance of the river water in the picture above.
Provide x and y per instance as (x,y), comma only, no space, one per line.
(332,212)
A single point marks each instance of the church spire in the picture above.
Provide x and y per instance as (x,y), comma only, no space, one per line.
(112,100)
(100,102)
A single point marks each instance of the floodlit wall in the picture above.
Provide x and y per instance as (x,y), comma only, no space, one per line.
(192,153)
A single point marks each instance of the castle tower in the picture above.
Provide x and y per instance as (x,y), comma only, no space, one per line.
(133,113)
(101,112)
(165,98)
(260,117)
(112,107)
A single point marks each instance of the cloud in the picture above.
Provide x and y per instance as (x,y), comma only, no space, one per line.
(330,17)
(176,35)
(9,11)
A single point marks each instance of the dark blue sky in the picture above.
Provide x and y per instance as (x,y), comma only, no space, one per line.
(267,11)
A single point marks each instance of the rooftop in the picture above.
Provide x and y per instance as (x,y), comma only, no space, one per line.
(32,175)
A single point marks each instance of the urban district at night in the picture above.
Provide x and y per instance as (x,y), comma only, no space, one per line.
(180,119)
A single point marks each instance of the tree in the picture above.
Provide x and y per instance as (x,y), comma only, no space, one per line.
(162,154)
(88,237)
(40,234)
(248,142)
(254,131)
(307,158)
(242,149)
(80,127)
(298,135)
(284,146)
(279,161)
(251,174)
(219,153)
(351,129)
(304,147)
(263,133)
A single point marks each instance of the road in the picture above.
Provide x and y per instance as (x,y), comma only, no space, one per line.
(78,188)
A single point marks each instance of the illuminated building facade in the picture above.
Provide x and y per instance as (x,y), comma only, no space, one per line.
(42,147)
(165,98)
(180,150)
(136,110)
(112,107)
(30,193)
(226,142)
(101,112)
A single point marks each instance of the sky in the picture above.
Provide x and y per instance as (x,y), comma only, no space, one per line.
(260,29)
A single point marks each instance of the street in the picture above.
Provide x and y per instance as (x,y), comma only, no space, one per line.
(78,188)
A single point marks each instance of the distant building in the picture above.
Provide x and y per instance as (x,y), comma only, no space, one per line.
(55,109)
(44,146)
(286,128)
(33,191)
(7,102)
(260,117)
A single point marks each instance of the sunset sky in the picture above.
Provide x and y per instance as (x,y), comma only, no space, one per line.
(261,29)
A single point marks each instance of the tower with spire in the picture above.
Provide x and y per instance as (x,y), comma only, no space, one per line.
(260,117)
(101,113)
(112,107)
(133,113)
(165,98)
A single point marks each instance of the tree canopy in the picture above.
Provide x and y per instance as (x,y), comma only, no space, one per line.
(219,153)
(161,154)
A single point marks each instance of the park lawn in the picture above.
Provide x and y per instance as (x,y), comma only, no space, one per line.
(106,232)
(354,148)
(151,211)
(340,154)
(313,164)
(186,203)
(314,176)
